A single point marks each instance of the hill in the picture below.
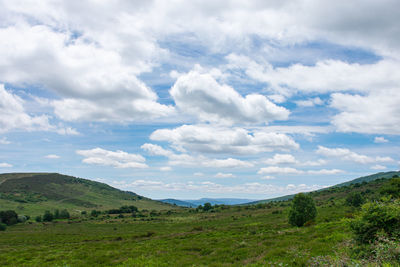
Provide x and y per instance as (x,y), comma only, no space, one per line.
(32,193)
(364,179)
(193,203)
(178,202)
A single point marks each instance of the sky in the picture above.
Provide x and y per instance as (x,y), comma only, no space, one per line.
(190,99)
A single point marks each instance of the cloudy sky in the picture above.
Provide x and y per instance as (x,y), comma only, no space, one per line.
(189,99)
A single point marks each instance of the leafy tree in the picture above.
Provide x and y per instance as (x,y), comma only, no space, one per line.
(303,210)
(207,206)
(376,218)
(95,213)
(8,217)
(57,214)
(64,214)
(38,218)
(48,216)
(355,199)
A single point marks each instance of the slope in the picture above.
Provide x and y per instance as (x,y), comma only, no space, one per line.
(32,193)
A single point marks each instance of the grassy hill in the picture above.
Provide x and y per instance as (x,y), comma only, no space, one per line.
(33,193)
(364,179)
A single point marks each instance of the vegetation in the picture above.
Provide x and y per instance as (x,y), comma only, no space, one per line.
(303,210)
(219,235)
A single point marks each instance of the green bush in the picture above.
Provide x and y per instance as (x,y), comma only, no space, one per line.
(3,227)
(48,216)
(355,199)
(392,188)
(38,218)
(376,218)
(64,214)
(303,210)
(8,217)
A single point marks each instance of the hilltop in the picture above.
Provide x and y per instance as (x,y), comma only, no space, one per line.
(32,193)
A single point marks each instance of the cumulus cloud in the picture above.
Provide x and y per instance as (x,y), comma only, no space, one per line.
(346,154)
(213,139)
(281,159)
(116,159)
(378,167)
(380,140)
(279,170)
(4,141)
(310,102)
(211,187)
(224,175)
(166,169)
(13,116)
(201,95)
(5,165)
(325,171)
(52,156)
(268,177)
(188,160)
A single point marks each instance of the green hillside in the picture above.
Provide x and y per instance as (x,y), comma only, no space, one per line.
(33,193)
(364,179)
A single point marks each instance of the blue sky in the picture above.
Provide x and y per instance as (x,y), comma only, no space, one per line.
(198,99)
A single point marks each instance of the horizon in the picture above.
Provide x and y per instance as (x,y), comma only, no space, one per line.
(201,100)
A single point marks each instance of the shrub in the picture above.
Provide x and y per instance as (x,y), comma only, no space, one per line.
(355,199)
(303,209)
(392,188)
(376,218)
(207,206)
(64,214)
(48,216)
(8,217)
(38,218)
(3,227)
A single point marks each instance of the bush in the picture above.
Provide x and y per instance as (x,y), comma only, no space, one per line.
(392,188)
(355,199)
(64,214)
(377,218)
(38,218)
(3,227)
(48,216)
(8,217)
(303,210)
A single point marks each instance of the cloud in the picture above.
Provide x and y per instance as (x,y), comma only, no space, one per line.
(346,154)
(268,177)
(198,174)
(116,159)
(201,95)
(279,170)
(4,141)
(224,175)
(5,165)
(211,187)
(378,167)
(213,139)
(380,140)
(188,160)
(361,114)
(325,171)
(52,156)
(281,159)
(166,169)
(310,102)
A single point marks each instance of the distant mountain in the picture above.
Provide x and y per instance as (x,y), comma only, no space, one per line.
(369,178)
(214,201)
(33,193)
(178,202)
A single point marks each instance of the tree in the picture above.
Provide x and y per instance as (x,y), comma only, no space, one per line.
(392,187)
(303,210)
(64,214)
(3,227)
(355,199)
(48,216)
(8,217)
(207,206)
(57,214)
(38,218)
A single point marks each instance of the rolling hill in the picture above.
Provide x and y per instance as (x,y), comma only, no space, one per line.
(366,179)
(33,193)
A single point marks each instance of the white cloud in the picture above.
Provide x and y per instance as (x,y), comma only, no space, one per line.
(268,177)
(224,175)
(188,160)
(52,156)
(211,187)
(380,140)
(375,113)
(346,154)
(279,170)
(198,174)
(378,167)
(325,171)
(4,141)
(318,162)
(117,159)
(281,159)
(166,169)
(5,165)
(310,102)
(201,95)
(213,139)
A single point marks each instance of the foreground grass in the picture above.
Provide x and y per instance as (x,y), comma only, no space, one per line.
(237,236)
